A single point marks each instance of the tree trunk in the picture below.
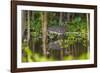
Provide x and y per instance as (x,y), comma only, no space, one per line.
(44,31)
(23,27)
(23,23)
(68,17)
(33,42)
(33,16)
(28,26)
(88,24)
(60,19)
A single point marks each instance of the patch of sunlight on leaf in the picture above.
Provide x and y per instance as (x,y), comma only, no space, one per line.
(84,56)
(68,58)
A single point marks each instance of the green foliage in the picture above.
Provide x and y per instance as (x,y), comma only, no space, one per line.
(68,57)
(34,57)
(71,39)
(84,56)
(38,58)
(78,24)
(28,51)
(36,24)
(24,59)
(53,19)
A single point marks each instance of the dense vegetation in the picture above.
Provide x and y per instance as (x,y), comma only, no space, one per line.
(52,36)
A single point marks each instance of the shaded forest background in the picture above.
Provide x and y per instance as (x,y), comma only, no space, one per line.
(54,36)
